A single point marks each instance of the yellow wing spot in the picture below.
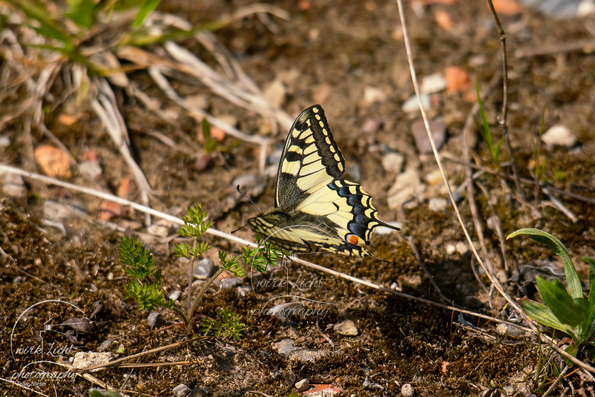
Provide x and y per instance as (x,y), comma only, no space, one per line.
(340,166)
(317,117)
(328,141)
(309,140)
(339,183)
(352,189)
(337,157)
(332,149)
(369,213)
(320,123)
(366,201)
(353,240)
(315,110)
(310,149)
(324,131)
(295,133)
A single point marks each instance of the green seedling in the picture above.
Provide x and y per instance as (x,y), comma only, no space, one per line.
(486,131)
(564,307)
(144,284)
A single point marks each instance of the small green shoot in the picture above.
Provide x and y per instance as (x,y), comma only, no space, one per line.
(564,308)
(486,132)
(145,280)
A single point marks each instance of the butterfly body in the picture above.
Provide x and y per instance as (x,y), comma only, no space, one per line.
(314,209)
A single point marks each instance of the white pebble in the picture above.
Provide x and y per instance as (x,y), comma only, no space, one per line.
(559,135)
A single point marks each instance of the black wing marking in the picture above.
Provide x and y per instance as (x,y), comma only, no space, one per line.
(311,159)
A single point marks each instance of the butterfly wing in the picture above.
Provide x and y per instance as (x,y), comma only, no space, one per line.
(311,159)
(313,208)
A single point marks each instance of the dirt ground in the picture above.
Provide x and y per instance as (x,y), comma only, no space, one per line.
(333,53)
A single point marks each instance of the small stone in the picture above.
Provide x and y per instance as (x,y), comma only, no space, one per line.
(372,386)
(371,126)
(19,280)
(393,162)
(477,60)
(275,93)
(90,169)
(87,359)
(286,347)
(381,230)
(407,390)
(438,129)
(346,328)
(302,385)
(227,283)
(456,79)
(198,101)
(462,248)
(175,295)
(450,249)
(203,161)
(54,162)
(109,209)
(203,269)
(373,94)
(181,390)
(559,135)
(433,83)
(437,204)
(473,303)
(60,210)
(14,186)
(244,291)
(160,228)
(502,329)
(355,173)
(105,345)
(407,186)
(434,178)
(4,142)
(154,319)
(412,104)
(228,119)
(199,392)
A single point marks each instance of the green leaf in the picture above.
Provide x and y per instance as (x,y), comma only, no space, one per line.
(206,129)
(573,351)
(543,315)
(82,12)
(210,145)
(146,9)
(575,287)
(561,304)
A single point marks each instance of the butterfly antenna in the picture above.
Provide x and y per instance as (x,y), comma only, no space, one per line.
(249,199)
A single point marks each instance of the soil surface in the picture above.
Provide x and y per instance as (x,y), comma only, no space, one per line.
(350,58)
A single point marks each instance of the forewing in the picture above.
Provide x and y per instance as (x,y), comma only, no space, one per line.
(311,159)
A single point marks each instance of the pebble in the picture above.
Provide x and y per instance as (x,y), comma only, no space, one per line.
(372,386)
(175,295)
(472,302)
(407,390)
(462,247)
(302,385)
(433,83)
(450,248)
(393,162)
(346,328)
(87,359)
(203,162)
(199,101)
(14,186)
(434,178)
(456,79)
(438,129)
(437,204)
(105,345)
(502,329)
(203,269)
(387,230)
(371,126)
(275,93)
(199,392)
(90,169)
(4,142)
(407,185)
(58,211)
(355,173)
(181,390)
(159,228)
(244,291)
(154,319)
(373,94)
(559,135)
(227,283)
(301,354)
(412,104)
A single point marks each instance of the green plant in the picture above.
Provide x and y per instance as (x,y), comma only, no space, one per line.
(145,280)
(486,132)
(564,308)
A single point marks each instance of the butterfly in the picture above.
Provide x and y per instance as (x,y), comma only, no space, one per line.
(314,209)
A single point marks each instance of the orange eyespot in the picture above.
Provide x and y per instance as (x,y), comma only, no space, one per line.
(353,239)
